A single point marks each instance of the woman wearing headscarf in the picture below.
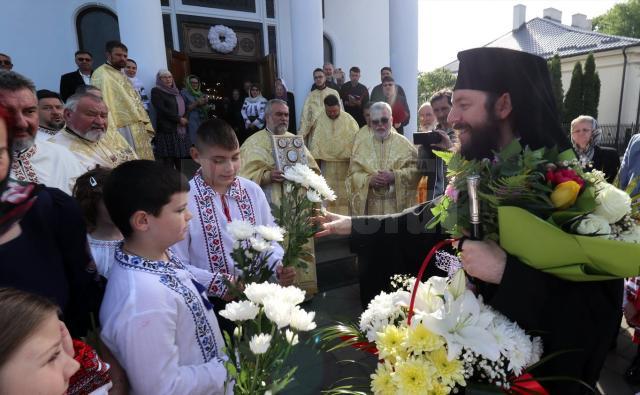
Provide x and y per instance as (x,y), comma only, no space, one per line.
(253,111)
(43,244)
(283,93)
(196,103)
(172,141)
(586,137)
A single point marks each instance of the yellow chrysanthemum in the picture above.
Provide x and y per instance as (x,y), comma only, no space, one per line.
(390,341)
(450,372)
(414,376)
(382,380)
(420,339)
(439,389)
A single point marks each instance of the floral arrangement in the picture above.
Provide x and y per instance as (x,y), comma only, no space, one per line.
(542,194)
(252,248)
(303,191)
(268,321)
(449,340)
(222,38)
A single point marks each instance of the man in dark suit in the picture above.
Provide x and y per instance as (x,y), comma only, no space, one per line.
(71,81)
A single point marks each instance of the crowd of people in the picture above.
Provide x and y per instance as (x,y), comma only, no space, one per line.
(97,221)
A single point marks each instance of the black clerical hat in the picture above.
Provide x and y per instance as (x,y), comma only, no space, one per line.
(527,80)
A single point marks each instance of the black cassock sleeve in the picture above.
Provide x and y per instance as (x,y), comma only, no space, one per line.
(392,244)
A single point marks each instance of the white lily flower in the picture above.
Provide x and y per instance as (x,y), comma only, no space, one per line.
(462,323)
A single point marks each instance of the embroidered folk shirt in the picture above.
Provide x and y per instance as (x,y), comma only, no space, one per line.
(207,244)
(161,328)
(47,163)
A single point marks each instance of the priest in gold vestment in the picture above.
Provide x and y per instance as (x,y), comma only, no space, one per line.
(258,165)
(314,103)
(126,111)
(86,117)
(382,177)
(330,141)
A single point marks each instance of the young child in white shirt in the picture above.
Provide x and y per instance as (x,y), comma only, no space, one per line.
(155,316)
(217,196)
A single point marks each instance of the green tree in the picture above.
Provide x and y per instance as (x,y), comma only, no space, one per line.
(573,102)
(556,82)
(590,88)
(621,20)
(431,82)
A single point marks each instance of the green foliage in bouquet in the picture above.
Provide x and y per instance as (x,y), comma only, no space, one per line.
(516,177)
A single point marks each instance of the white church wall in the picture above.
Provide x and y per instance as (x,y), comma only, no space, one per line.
(359,32)
(40,36)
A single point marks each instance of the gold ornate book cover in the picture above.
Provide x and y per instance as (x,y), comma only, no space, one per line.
(288,150)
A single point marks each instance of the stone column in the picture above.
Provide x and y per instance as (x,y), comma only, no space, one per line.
(307,46)
(141,31)
(403,49)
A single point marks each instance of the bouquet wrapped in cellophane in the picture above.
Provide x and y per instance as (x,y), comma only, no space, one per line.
(587,228)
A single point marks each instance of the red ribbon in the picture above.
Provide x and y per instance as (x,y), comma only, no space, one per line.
(526,385)
(362,346)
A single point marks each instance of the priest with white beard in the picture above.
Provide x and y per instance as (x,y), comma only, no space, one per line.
(86,116)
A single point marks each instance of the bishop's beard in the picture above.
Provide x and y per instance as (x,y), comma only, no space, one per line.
(482,140)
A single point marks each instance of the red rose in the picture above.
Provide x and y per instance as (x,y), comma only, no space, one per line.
(563,175)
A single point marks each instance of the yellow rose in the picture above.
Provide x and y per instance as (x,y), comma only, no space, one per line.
(565,194)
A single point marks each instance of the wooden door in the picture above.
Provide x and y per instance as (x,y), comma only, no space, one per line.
(178,66)
(267,72)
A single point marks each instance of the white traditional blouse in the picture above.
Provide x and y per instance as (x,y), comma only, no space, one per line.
(103,252)
(207,244)
(160,326)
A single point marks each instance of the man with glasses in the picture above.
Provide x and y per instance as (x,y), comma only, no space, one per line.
(314,103)
(382,176)
(82,76)
(86,118)
(5,62)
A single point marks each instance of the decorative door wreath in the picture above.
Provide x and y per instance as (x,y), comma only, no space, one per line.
(222,38)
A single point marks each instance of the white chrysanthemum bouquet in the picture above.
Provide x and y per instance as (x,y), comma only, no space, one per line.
(252,248)
(303,191)
(448,340)
(267,325)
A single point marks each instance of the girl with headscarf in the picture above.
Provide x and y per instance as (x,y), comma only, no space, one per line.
(586,137)
(172,141)
(283,93)
(253,111)
(196,102)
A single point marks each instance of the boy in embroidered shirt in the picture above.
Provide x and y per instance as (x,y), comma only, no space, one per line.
(155,316)
(218,196)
